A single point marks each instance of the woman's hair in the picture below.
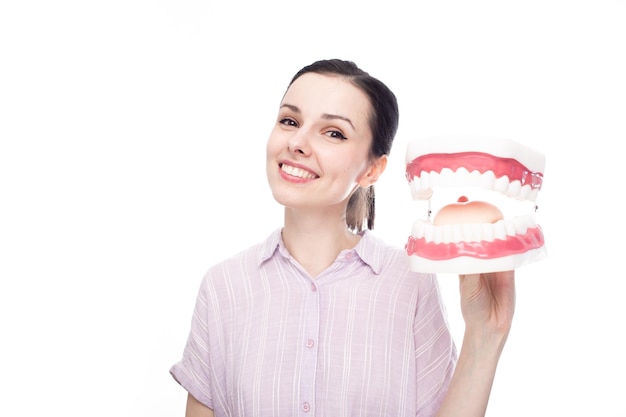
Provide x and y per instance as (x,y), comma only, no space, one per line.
(383,122)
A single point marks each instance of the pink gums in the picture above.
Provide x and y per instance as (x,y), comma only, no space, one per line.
(513,245)
(475,161)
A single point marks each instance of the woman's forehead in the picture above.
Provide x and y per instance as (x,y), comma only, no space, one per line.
(328,94)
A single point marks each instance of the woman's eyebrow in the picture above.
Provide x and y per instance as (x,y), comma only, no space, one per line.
(325,116)
(291,107)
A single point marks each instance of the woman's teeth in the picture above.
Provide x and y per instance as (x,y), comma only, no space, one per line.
(297,172)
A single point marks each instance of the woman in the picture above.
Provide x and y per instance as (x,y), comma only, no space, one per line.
(323,318)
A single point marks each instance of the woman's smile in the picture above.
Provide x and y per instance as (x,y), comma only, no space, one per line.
(321,140)
(296,173)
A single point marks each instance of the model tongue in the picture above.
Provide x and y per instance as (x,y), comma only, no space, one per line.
(465,211)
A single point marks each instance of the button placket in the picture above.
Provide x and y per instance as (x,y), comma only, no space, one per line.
(309,355)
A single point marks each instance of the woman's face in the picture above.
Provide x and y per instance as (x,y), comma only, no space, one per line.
(319,149)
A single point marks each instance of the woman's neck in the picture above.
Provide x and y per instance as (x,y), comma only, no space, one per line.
(315,241)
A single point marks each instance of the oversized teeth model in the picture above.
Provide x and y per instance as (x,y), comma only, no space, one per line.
(465,236)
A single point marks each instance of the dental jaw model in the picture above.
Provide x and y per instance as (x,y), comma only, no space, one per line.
(471,235)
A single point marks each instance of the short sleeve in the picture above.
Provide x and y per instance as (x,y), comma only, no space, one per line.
(193,372)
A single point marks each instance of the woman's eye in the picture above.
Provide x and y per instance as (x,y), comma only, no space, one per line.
(288,122)
(336,135)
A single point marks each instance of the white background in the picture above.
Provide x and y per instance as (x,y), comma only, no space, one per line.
(132,159)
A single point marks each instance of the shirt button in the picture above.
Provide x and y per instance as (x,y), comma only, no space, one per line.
(306,407)
(310,343)
(313,287)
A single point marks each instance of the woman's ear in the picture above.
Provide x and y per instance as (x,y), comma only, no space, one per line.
(374,171)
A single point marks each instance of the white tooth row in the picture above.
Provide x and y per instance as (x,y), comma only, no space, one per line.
(421,188)
(296,172)
(472,232)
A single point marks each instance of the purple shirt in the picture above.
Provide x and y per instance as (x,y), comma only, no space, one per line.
(367,337)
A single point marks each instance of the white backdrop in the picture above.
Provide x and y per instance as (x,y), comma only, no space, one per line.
(132,159)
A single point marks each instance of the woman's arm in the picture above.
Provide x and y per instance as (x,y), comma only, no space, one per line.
(196,409)
(487,304)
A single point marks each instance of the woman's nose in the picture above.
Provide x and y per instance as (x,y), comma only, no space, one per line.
(300,142)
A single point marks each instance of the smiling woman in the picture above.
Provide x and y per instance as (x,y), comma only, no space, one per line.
(278,328)
(328,143)
(377,107)
(132,158)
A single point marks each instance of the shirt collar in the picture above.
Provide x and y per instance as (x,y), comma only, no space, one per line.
(368,249)
(269,247)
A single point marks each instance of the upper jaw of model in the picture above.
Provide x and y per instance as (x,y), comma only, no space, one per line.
(500,165)
(463,243)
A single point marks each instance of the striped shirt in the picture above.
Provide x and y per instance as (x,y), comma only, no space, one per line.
(367,337)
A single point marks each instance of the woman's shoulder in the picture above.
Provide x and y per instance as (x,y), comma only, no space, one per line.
(388,258)
(380,248)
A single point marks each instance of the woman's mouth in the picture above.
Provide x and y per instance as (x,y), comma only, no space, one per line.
(297,172)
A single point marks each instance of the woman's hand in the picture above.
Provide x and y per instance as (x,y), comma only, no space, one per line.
(488,302)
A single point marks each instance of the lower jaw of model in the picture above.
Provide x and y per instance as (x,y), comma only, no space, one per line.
(465,237)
